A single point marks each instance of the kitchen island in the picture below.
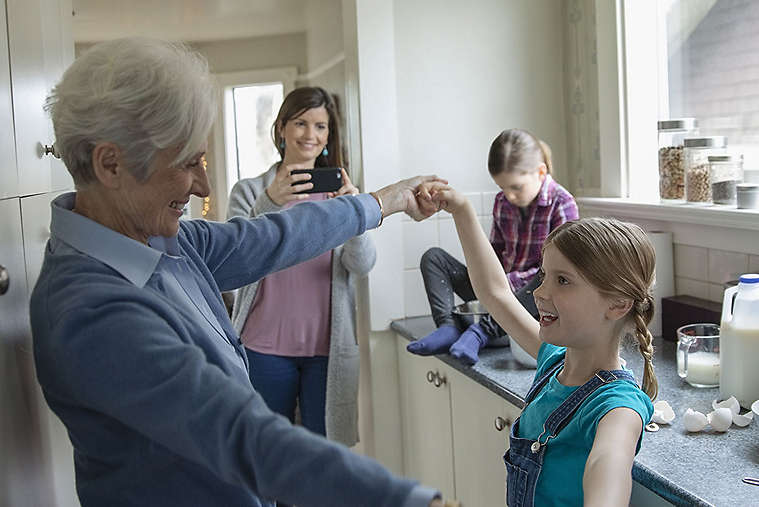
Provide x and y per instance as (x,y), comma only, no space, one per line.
(683,468)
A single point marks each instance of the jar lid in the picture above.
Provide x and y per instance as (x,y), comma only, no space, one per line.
(677,124)
(725,158)
(749,278)
(747,187)
(705,142)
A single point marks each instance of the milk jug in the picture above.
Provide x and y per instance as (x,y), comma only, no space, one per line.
(739,342)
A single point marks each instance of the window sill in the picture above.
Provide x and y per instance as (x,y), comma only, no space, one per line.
(714,215)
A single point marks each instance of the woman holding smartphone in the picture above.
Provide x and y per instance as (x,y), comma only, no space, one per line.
(299,325)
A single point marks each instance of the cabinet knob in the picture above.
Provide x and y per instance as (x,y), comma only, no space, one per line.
(50,150)
(439,380)
(500,423)
(5,280)
(430,376)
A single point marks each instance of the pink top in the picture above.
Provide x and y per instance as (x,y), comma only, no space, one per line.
(290,315)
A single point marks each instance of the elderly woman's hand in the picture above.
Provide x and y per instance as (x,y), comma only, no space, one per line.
(286,186)
(402,196)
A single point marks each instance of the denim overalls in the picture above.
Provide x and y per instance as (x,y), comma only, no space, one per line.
(524,459)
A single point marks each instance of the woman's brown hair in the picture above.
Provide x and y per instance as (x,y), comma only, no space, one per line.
(298,102)
(518,150)
(619,260)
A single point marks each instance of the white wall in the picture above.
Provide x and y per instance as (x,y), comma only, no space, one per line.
(468,70)
(461,73)
(251,53)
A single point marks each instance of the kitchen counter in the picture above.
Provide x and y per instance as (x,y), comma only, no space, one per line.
(684,468)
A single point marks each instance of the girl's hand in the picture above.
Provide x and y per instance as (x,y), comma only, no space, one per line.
(442,196)
(401,196)
(348,187)
(285,186)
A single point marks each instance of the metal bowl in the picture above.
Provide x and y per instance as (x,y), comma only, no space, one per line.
(470,313)
(473,310)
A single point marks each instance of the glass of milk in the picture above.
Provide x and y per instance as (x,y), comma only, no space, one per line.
(698,354)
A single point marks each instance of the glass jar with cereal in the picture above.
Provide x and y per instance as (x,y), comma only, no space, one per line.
(696,151)
(671,161)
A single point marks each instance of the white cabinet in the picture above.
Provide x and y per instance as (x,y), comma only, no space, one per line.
(36,45)
(481,425)
(14,320)
(8,174)
(455,431)
(40,47)
(426,420)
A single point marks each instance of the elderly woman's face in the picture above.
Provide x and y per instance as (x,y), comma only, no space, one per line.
(155,205)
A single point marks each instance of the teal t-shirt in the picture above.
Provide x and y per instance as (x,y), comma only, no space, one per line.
(560,480)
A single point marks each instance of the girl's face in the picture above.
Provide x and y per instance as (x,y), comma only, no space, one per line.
(521,187)
(573,313)
(306,135)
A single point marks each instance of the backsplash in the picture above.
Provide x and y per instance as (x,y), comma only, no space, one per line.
(440,231)
(701,272)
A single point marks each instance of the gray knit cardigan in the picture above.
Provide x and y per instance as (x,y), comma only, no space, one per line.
(355,258)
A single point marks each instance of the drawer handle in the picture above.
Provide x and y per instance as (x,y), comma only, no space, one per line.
(439,380)
(500,423)
(5,280)
(430,376)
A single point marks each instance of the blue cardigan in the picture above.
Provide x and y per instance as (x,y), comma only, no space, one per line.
(135,353)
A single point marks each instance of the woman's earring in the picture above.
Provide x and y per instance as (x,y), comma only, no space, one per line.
(282,145)
(325,151)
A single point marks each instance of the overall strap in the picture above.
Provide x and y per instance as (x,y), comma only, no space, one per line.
(562,415)
(538,384)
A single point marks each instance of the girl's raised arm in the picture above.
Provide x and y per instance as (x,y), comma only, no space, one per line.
(485,271)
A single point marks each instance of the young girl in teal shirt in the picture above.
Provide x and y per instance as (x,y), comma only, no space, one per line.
(577,437)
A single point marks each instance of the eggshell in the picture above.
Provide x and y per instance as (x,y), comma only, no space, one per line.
(694,421)
(720,419)
(730,403)
(663,413)
(743,420)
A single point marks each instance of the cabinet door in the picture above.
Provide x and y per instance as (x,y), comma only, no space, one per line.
(36,58)
(25,475)
(35,219)
(8,174)
(426,409)
(14,319)
(481,424)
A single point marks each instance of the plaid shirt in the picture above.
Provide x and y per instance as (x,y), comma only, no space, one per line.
(518,240)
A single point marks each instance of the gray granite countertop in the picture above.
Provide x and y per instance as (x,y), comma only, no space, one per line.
(684,468)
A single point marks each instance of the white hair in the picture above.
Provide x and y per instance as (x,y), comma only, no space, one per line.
(141,94)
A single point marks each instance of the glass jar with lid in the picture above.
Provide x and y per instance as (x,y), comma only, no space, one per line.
(725,172)
(671,160)
(696,151)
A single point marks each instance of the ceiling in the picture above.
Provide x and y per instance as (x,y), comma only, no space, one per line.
(187,20)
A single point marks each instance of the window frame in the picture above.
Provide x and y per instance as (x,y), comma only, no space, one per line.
(224,125)
(629,106)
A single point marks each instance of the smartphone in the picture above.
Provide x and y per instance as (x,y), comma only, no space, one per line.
(325,179)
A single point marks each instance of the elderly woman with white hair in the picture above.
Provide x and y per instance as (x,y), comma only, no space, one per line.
(133,346)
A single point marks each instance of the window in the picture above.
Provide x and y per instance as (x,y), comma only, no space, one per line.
(712,68)
(255,109)
(673,59)
(241,145)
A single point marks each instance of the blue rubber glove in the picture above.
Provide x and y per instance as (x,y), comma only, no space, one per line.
(468,346)
(437,342)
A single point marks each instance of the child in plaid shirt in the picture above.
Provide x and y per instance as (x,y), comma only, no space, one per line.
(529,206)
